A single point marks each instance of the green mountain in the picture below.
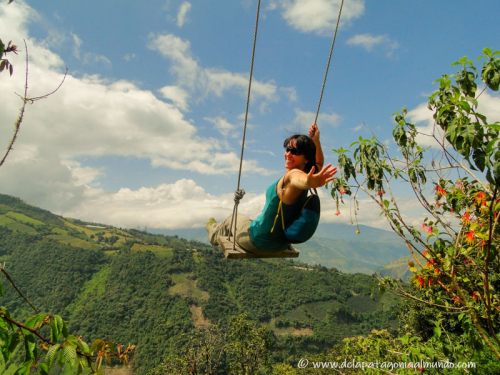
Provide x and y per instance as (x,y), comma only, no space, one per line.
(154,291)
(399,268)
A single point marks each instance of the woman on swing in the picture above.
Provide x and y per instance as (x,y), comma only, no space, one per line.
(303,157)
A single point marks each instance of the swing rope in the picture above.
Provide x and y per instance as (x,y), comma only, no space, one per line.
(239,193)
(328,64)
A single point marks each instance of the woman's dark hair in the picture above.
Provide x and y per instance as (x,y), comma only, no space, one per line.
(305,145)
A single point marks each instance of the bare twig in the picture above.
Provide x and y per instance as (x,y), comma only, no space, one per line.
(25,99)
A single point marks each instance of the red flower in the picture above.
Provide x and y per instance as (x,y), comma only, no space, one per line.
(381,192)
(427,229)
(480,196)
(420,281)
(425,253)
(440,191)
(457,300)
(476,296)
(341,190)
(337,213)
(431,262)
(469,237)
(466,218)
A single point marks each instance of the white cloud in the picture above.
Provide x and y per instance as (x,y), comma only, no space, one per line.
(92,116)
(307,118)
(368,42)
(130,56)
(177,95)
(179,52)
(182,204)
(13,26)
(207,81)
(291,92)
(182,15)
(221,125)
(369,211)
(82,175)
(87,57)
(318,16)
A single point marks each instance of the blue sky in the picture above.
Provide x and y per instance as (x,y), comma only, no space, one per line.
(146,129)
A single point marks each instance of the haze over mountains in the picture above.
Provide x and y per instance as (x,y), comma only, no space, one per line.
(335,245)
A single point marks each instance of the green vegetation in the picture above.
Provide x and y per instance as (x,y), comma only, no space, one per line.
(456,264)
(156,292)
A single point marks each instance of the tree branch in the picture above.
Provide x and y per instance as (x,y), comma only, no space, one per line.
(2,269)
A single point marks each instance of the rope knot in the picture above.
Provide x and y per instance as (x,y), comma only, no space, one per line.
(238,195)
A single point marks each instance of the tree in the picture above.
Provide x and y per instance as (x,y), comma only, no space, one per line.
(457,184)
(241,344)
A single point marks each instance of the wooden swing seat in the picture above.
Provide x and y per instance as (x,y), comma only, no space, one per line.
(239,253)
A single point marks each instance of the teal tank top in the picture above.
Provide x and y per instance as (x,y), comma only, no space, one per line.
(260,228)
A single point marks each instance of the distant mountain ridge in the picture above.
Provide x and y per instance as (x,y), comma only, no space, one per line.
(333,245)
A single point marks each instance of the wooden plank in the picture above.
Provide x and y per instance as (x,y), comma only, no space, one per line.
(238,253)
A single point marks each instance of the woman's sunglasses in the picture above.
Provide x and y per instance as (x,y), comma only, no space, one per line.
(294,151)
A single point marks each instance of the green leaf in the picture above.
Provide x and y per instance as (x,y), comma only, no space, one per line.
(97,345)
(35,322)
(30,346)
(472,100)
(489,177)
(83,362)
(54,332)
(43,369)
(493,126)
(496,171)
(469,133)
(69,354)
(2,292)
(465,106)
(430,352)
(437,331)
(487,51)
(64,329)
(14,341)
(24,369)
(479,159)
(51,353)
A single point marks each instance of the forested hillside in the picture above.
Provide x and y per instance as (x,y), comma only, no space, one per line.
(155,291)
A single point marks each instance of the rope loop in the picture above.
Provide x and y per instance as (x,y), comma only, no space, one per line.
(238,195)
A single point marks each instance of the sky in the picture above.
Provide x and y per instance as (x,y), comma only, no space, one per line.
(146,129)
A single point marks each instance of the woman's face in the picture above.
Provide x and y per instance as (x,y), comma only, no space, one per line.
(294,161)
